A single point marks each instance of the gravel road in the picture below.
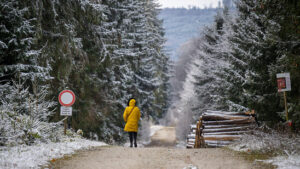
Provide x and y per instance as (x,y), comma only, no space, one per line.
(160,154)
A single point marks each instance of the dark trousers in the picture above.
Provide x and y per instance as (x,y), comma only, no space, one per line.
(132,137)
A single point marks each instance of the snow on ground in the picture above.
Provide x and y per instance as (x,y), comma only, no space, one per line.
(154,129)
(286,162)
(25,157)
(285,146)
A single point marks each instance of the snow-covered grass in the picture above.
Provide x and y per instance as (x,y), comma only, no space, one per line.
(36,156)
(286,162)
(282,147)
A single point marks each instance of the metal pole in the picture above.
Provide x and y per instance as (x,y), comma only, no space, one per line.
(285,104)
(65,125)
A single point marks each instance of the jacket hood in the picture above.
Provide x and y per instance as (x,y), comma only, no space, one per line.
(132,102)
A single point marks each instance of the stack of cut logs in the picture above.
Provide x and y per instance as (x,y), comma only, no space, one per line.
(219,128)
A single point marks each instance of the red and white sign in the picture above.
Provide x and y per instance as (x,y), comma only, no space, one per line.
(66,98)
(283,82)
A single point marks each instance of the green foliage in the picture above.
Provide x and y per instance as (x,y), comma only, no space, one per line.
(273,44)
(102,50)
(241,54)
(35,135)
(281,55)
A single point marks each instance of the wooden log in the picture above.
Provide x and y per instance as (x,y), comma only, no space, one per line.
(243,128)
(226,113)
(193,126)
(189,146)
(227,133)
(192,135)
(192,144)
(192,132)
(218,142)
(191,140)
(227,122)
(219,114)
(218,128)
(216,145)
(222,137)
(252,112)
(218,117)
(208,126)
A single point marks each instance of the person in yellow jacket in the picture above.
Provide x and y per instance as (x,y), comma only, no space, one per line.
(131,117)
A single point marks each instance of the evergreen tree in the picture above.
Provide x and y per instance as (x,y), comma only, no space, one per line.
(105,51)
(247,49)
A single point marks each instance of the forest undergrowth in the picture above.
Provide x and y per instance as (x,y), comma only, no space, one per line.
(278,146)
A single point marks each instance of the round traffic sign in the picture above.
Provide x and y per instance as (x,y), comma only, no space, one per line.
(66,98)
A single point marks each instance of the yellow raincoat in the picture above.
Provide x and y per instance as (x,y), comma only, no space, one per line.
(131,119)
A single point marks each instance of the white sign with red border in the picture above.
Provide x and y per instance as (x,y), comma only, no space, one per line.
(66,98)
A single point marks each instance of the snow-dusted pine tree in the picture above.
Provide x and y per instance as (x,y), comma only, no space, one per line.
(25,114)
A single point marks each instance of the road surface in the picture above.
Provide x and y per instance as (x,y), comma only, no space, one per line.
(159,154)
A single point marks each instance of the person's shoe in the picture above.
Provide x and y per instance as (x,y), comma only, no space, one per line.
(135,145)
(131,145)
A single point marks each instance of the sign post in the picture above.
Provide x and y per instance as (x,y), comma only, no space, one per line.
(66,99)
(284,84)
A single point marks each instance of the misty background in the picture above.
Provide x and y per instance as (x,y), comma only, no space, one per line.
(183,27)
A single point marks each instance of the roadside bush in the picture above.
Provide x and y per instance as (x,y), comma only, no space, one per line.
(267,140)
(24,115)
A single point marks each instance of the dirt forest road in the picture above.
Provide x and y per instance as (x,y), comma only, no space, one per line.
(159,154)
